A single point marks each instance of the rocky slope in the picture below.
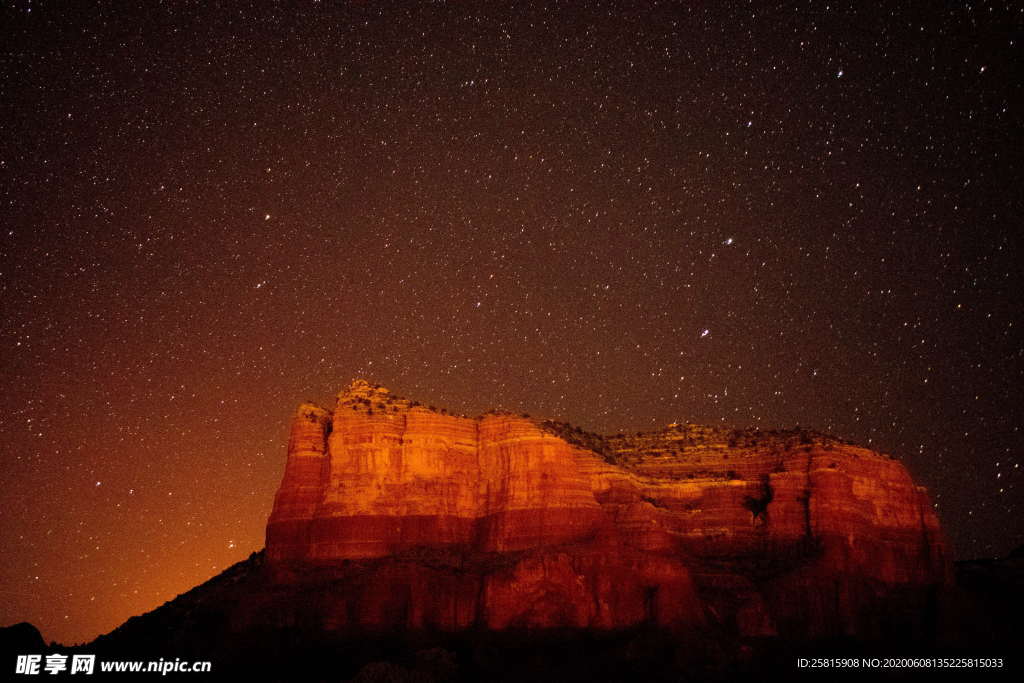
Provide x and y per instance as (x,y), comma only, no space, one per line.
(432,521)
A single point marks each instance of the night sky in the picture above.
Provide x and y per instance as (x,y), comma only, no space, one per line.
(615,214)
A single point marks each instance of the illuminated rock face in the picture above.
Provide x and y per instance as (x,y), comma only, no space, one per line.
(436,521)
(372,482)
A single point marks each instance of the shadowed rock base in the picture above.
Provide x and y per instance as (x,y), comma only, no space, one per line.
(314,627)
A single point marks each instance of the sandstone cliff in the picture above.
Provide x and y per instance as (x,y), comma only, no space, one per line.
(430,521)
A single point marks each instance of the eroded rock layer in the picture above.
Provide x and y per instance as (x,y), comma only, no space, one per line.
(437,521)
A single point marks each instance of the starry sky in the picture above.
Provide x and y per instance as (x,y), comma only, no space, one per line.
(616,214)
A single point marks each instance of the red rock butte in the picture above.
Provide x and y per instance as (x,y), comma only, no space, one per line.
(433,521)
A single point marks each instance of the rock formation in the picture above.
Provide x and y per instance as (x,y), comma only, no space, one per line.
(409,544)
(430,521)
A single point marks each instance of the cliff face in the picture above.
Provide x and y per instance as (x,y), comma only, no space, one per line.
(427,520)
